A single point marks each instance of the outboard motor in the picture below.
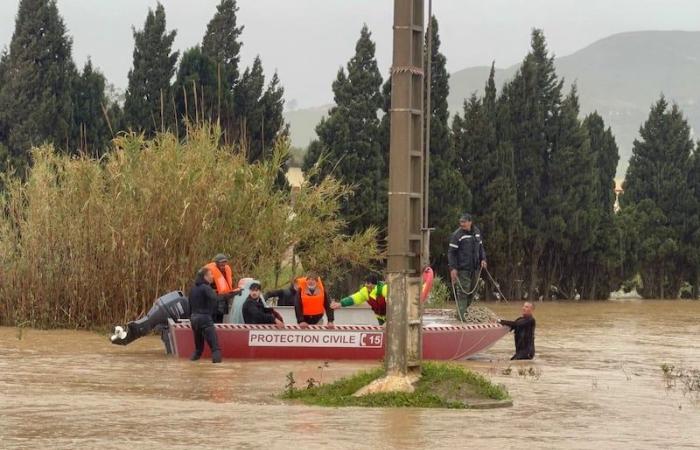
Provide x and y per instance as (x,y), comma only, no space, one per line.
(173,305)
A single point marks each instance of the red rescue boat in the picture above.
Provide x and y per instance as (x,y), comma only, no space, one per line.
(359,342)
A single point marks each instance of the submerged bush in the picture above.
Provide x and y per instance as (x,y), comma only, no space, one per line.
(87,242)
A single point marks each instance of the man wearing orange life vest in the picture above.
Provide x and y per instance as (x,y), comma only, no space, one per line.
(312,302)
(222,284)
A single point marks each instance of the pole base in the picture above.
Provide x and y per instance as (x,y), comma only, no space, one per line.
(390,383)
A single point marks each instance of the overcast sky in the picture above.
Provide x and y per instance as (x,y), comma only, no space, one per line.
(306,41)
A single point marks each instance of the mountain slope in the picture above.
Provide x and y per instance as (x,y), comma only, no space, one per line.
(619,76)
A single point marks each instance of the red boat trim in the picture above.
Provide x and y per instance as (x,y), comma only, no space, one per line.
(433,327)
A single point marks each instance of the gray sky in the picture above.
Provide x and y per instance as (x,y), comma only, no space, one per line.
(306,41)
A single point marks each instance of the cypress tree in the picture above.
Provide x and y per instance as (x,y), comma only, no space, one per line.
(349,144)
(36,82)
(602,263)
(448,196)
(259,111)
(501,216)
(91,130)
(534,101)
(148,105)
(657,183)
(249,90)
(502,223)
(264,118)
(221,44)
(196,80)
(571,217)
(480,144)
(693,247)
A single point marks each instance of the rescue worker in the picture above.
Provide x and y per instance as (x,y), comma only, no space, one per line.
(524,327)
(255,311)
(465,256)
(312,301)
(203,302)
(374,292)
(285,296)
(222,283)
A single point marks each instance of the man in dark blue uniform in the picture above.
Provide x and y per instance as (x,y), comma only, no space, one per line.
(465,256)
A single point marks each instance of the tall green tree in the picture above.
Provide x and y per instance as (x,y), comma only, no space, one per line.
(657,184)
(36,82)
(501,222)
(693,253)
(91,110)
(222,45)
(478,146)
(260,111)
(195,88)
(148,105)
(494,188)
(448,196)
(569,202)
(534,102)
(349,146)
(602,274)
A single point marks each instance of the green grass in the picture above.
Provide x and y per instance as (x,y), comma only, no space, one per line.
(440,386)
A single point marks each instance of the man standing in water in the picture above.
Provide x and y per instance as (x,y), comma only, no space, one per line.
(464,256)
(203,303)
(524,327)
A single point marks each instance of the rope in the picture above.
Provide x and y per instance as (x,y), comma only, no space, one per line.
(496,285)
(454,292)
(476,286)
(459,313)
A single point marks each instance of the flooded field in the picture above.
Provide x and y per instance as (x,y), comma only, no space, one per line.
(596,383)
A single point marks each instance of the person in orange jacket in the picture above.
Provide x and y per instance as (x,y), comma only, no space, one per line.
(222,283)
(312,302)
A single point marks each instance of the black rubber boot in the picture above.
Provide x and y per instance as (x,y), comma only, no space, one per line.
(195,357)
(216,357)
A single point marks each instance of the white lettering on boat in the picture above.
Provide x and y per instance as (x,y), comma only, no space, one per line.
(314,338)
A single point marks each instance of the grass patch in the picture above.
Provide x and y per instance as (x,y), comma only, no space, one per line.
(440,386)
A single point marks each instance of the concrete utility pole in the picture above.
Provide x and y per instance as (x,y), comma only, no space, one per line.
(406,191)
(428,111)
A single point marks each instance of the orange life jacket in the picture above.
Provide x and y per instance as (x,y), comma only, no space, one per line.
(312,304)
(222,281)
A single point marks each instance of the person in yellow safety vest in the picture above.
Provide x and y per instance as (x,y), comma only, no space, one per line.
(222,283)
(374,292)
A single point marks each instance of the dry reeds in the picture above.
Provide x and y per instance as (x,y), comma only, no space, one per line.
(86,242)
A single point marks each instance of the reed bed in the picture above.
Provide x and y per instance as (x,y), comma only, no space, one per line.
(87,243)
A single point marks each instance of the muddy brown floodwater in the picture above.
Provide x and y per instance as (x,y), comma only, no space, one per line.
(595,383)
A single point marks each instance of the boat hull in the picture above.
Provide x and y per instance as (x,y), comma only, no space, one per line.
(357,315)
(345,342)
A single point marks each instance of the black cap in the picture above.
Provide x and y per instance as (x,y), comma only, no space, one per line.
(254,285)
(466,217)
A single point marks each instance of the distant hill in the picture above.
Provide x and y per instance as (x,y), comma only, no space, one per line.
(619,76)
(302,123)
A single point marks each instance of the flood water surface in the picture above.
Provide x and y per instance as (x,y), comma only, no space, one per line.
(596,382)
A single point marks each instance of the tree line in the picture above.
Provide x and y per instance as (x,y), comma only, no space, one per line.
(44,97)
(539,178)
